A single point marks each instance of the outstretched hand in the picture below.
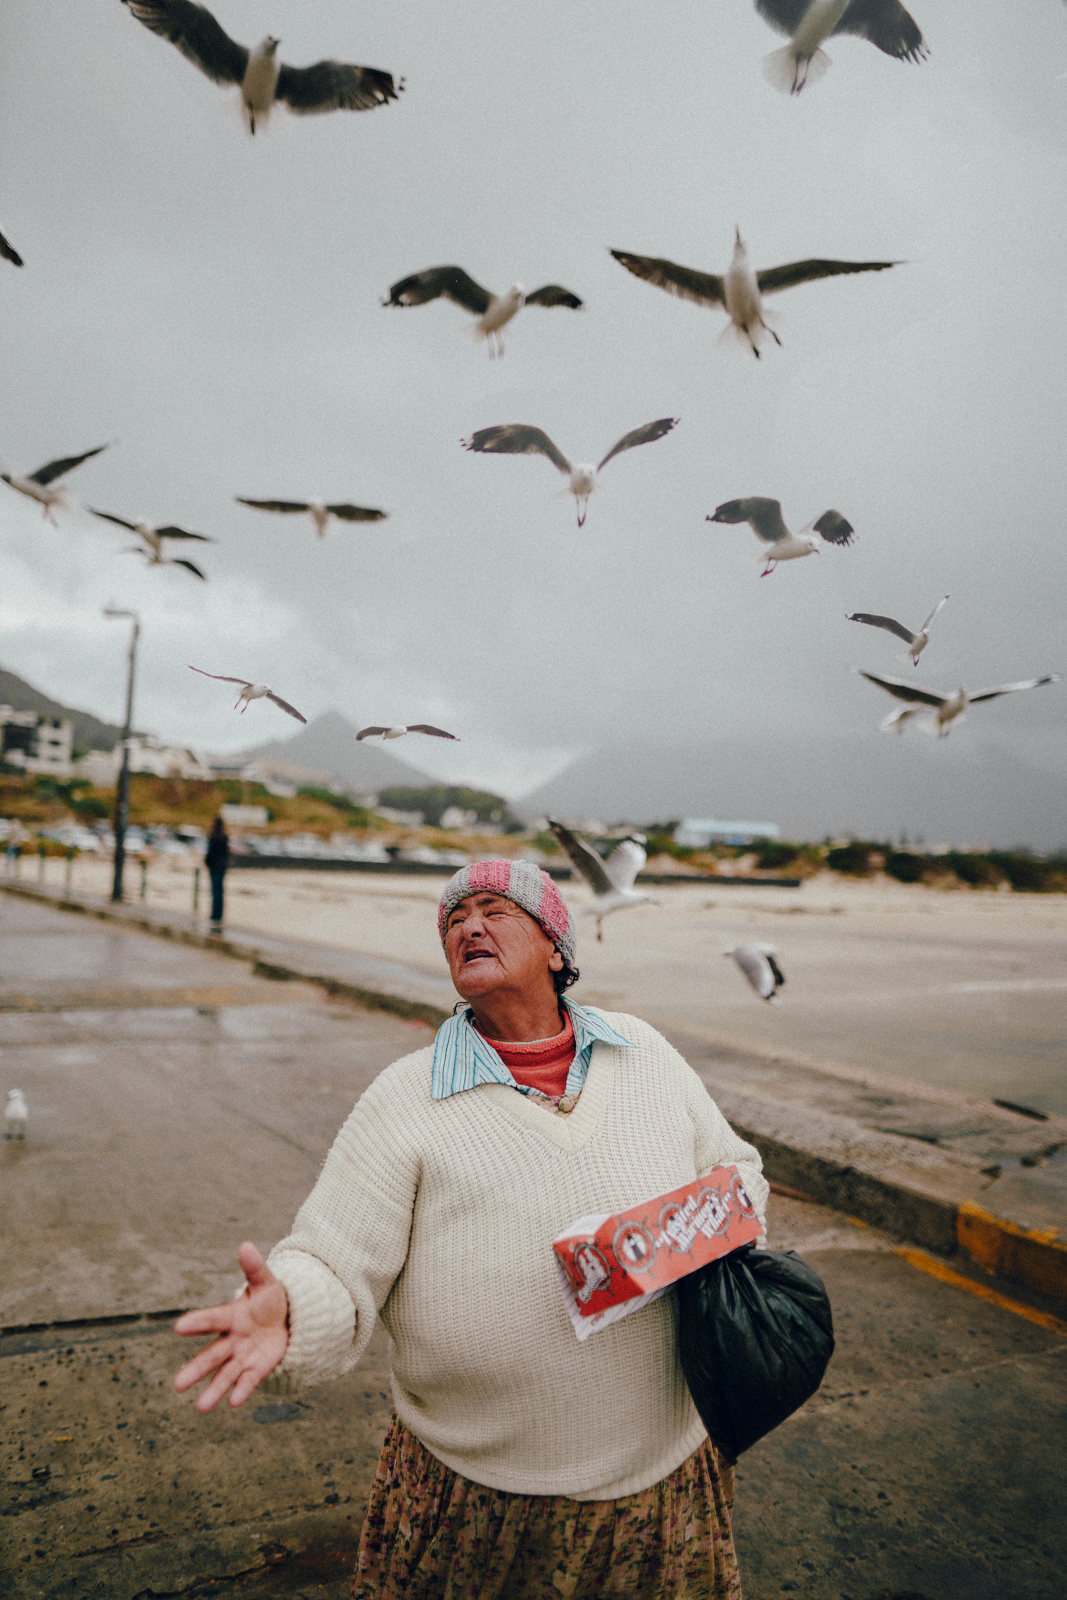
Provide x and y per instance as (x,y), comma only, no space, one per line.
(255,1336)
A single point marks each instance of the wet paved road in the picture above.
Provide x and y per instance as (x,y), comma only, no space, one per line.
(165,1130)
(192,1108)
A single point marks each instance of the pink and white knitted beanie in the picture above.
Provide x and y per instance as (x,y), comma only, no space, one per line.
(522,882)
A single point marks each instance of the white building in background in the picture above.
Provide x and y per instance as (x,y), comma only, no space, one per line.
(697,833)
(36,742)
(454,818)
(244,816)
(282,778)
(147,754)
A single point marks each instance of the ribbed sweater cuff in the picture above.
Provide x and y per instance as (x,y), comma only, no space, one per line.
(322,1319)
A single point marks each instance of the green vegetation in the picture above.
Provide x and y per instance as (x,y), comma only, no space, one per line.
(352,815)
(856,859)
(42,801)
(775,854)
(1036,874)
(436,799)
(1021,869)
(905,867)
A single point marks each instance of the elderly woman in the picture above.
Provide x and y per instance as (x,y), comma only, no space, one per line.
(520,1464)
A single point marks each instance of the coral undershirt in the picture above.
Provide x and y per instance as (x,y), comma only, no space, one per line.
(541,1064)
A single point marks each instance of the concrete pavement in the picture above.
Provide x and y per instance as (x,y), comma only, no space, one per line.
(164,1128)
(179,1103)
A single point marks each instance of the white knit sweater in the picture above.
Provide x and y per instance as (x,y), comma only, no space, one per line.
(439,1216)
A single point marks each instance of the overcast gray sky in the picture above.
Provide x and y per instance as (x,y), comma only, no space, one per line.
(211,303)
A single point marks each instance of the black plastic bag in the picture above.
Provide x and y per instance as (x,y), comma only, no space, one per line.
(755,1337)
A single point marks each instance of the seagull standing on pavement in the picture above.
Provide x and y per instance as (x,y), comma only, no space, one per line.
(519,439)
(757,963)
(250,692)
(492,311)
(885,23)
(152,546)
(38,485)
(916,642)
(319,512)
(612,881)
(764,517)
(947,708)
(16,1115)
(263,79)
(398,733)
(9,253)
(740,292)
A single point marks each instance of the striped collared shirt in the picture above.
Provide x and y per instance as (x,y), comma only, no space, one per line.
(462,1059)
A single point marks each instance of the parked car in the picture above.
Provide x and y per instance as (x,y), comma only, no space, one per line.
(72,834)
(348,850)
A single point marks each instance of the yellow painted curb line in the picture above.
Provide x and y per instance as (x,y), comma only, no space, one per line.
(1034,1256)
(937,1269)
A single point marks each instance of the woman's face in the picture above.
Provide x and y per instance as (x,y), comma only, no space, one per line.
(491,943)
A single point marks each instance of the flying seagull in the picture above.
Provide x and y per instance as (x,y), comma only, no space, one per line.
(916,642)
(493,311)
(740,291)
(263,79)
(398,733)
(16,1115)
(885,23)
(764,517)
(319,512)
(757,963)
(250,692)
(152,546)
(9,252)
(518,439)
(38,485)
(612,881)
(947,708)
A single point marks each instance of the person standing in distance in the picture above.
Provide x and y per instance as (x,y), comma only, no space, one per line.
(217,859)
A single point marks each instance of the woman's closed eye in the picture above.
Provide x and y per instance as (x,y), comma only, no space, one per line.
(459,918)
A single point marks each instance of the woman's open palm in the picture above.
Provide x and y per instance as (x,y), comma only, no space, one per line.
(255,1335)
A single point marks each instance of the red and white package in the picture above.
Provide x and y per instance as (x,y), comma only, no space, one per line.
(612,1265)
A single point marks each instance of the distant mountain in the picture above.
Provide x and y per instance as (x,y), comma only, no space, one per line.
(329,744)
(89,732)
(969,789)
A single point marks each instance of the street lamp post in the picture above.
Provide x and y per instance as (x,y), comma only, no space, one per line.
(122,797)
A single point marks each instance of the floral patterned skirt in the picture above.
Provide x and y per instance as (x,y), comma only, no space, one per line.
(431,1534)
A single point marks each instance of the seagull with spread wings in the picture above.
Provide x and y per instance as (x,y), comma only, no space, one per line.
(9,253)
(764,517)
(39,485)
(916,642)
(262,78)
(757,962)
(884,23)
(398,733)
(519,439)
(319,512)
(740,291)
(250,692)
(947,708)
(152,545)
(612,881)
(491,311)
